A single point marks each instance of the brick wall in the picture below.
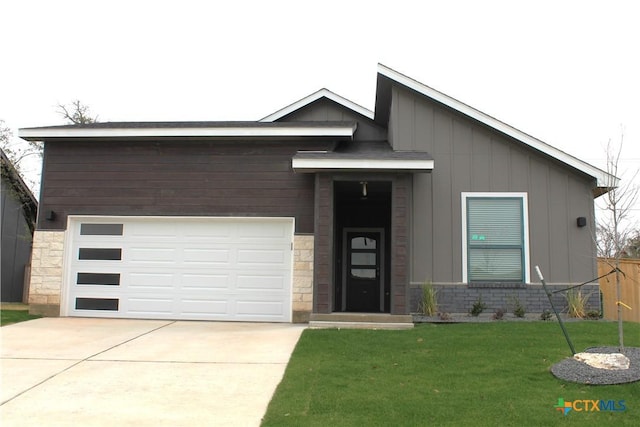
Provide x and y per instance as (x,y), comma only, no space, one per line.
(323,244)
(400,245)
(459,298)
(46,272)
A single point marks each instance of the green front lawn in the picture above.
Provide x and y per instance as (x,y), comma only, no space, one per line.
(8,317)
(446,374)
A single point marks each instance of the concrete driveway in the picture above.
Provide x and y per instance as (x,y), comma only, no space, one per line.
(106,372)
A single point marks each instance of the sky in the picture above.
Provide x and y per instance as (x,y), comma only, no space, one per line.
(566,72)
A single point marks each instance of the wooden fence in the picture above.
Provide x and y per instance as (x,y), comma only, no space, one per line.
(630,282)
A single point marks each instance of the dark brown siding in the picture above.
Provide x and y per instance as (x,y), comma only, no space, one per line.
(182,178)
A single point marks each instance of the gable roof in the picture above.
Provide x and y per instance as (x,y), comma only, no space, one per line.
(388,77)
(322,93)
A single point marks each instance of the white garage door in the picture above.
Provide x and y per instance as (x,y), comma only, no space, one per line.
(180,268)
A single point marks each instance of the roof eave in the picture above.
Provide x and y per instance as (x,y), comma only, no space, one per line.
(311,165)
(41,134)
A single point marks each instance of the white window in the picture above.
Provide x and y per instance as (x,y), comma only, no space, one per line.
(495,237)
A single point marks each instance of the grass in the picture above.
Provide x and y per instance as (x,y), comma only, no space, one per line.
(445,375)
(7,317)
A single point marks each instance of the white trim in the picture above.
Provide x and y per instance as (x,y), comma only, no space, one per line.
(65,288)
(314,97)
(525,225)
(603,178)
(228,131)
(362,164)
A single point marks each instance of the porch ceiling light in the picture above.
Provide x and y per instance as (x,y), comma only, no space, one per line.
(364,188)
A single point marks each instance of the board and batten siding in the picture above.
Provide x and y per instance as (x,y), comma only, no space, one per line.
(180,178)
(470,157)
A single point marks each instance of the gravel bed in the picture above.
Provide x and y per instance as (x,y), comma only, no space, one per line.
(579,372)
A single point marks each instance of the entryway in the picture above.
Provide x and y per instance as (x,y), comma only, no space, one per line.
(362,262)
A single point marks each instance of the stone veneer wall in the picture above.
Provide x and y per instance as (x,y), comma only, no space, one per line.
(46,272)
(302,278)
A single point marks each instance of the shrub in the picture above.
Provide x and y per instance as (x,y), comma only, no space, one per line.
(546,315)
(478,307)
(444,316)
(593,315)
(577,303)
(518,308)
(428,301)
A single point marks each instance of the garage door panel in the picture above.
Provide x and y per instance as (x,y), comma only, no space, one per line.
(252,308)
(205,281)
(149,305)
(182,268)
(205,307)
(150,280)
(166,255)
(261,257)
(254,229)
(262,282)
(213,257)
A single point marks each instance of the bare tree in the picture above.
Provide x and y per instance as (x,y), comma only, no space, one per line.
(76,113)
(615,228)
(15,150)
(632,249)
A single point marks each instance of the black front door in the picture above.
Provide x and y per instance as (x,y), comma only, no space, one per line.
(362,275)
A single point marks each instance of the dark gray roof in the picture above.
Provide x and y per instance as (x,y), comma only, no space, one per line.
(380,150)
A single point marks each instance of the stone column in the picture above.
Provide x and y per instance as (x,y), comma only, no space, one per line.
(46,273)
(302,278)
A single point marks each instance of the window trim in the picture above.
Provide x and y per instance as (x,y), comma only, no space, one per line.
(525,226)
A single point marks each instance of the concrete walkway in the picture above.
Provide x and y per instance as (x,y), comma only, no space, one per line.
(106,372)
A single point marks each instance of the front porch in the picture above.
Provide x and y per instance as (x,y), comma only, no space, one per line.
(361,321)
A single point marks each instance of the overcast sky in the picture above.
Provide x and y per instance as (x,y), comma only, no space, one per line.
(565,72)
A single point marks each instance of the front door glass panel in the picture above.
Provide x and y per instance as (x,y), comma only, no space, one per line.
(363,279)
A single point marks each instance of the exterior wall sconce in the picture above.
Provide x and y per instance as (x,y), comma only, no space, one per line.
(581,221)
(50,215)
(364,188)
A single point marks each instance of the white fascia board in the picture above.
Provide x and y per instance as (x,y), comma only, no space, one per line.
(314,97)
(258,131)
(362,164)
(603,178)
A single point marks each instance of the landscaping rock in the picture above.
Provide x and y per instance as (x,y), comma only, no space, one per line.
(615,361)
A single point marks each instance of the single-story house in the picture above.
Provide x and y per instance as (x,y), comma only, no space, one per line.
(18,208)
(319,209)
